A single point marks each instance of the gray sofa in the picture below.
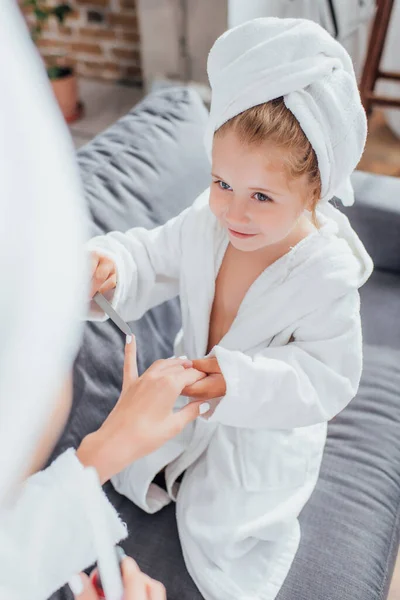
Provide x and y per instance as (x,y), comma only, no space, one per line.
(147,168)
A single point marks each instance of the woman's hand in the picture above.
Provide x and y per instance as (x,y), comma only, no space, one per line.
(103,274)
(143,418)
(137,585)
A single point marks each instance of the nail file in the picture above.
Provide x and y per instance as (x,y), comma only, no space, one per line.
(114,316)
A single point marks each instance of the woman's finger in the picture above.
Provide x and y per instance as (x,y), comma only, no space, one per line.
(168,364)
(135,584)
(130,373)
(171,363)
(82,587)
(207,365)
(186,377)
(155,589)
(195,376)
(180,371)
(188,414)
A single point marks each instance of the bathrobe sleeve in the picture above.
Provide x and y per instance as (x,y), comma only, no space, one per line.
(46,535)
(307,381)
(148,266)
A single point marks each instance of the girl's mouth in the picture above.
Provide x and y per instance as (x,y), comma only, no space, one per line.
(238,234)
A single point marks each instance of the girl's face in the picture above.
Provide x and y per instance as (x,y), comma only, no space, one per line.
(251,194)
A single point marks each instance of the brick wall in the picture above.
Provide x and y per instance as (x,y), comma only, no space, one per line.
(100,39)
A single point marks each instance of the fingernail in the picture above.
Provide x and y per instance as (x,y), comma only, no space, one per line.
(204,408)
(129,339)
(186,360)
(76,584)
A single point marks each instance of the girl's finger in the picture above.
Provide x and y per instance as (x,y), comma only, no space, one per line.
(213,386)
(130,373)
(82,587)
(104,269)
(94,261)
(197,388)
(110,284)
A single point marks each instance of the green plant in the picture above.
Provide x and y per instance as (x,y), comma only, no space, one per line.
(42,12)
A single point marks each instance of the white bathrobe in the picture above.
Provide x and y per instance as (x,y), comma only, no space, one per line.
(47,525)
(292,360)
(46,534)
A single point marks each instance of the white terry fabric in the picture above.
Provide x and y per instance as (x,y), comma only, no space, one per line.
(42,297)
(47,535)
(253,465)
(267,58)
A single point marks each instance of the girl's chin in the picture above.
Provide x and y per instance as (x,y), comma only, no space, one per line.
(247,245)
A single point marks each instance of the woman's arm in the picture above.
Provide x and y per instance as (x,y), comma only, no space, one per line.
(47,535)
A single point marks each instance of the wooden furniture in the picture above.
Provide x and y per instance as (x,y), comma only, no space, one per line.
(372,71)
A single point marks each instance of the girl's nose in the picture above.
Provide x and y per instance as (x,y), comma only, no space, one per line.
(236,211)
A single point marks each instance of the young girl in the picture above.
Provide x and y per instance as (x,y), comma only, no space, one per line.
(268,275)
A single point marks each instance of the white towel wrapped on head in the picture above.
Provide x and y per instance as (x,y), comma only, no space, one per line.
(267,58)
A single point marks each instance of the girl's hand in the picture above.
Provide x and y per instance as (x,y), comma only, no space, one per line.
(213,386)
(103,274)
(137,585)
(143,418)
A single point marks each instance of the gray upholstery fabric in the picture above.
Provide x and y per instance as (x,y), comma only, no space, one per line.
(376,217)
(140,172)
(380,309)
(147,168)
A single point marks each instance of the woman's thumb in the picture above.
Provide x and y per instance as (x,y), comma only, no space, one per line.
(190,412)
(130,373)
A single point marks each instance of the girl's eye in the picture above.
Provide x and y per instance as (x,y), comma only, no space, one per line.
(262,197)
(223,185)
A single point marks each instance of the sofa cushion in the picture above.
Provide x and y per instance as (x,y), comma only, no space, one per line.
(375,216)
(380,309)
